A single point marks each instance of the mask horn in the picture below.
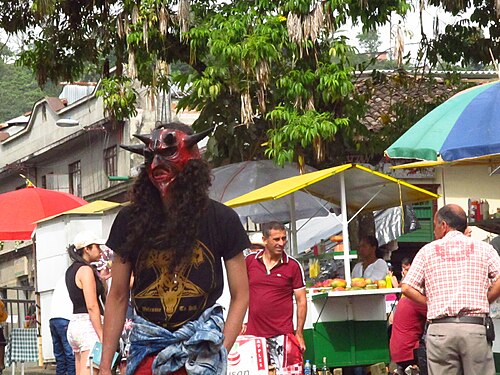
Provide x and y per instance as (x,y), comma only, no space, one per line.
(136,149)
(195,138)
(145,138)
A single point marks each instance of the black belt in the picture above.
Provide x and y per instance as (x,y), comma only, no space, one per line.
(459,319)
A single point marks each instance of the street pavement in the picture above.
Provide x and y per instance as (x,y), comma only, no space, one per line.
(31,369)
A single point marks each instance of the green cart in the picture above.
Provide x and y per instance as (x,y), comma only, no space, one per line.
(349,328)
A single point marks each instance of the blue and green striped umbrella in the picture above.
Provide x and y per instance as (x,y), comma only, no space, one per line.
(465,126)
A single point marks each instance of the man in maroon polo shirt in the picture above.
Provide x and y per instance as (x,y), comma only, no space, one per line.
(274,278)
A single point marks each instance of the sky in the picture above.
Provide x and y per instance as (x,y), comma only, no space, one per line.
(411,29)
(410,25)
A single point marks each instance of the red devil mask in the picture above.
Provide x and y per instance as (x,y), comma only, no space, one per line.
(167,151)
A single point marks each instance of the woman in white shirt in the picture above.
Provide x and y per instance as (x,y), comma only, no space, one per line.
(370,266)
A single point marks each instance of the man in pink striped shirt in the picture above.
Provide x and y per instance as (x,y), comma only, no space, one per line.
(457,277)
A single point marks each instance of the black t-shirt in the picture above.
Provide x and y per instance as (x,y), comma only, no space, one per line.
(172,300)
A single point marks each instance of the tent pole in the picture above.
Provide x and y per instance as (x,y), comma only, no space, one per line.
(345,230)
(293,225)
(442,186)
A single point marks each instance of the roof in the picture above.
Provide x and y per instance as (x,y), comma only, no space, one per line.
(391,88)
(76,91)
(96,207)
(55,104)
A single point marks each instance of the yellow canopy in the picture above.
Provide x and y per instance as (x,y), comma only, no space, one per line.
(361,185)
(96,207)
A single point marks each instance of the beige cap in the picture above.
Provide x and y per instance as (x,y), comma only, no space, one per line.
(87,238)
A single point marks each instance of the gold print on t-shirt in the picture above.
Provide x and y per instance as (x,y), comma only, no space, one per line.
(170,288)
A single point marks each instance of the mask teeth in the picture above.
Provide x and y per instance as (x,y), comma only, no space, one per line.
(195,138)
(145,138)
(136,149)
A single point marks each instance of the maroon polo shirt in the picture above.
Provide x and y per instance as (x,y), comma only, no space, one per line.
(270,309)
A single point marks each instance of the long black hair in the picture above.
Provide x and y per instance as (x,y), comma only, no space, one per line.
(176,230)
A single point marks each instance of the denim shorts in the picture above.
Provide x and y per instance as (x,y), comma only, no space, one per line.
(81,334)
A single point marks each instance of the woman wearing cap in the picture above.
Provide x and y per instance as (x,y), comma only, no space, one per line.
(87,294)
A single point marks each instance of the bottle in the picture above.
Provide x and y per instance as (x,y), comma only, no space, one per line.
(485,210)
(307,368)
(472,211)
(479,215)
(314,370)
(325,369)
(388,280)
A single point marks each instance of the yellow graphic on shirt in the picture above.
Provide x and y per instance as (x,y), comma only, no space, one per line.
(172,289)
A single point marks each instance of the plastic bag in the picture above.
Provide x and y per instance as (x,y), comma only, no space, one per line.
(411,220)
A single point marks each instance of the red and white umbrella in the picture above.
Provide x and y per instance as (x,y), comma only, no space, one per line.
(20,209)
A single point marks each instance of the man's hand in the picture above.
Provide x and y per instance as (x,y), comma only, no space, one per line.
(300,339)
(243,329)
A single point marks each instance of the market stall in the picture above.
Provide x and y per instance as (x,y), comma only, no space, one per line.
(347,327)
(353,187)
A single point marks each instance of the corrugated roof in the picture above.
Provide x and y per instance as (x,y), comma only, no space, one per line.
(75,92)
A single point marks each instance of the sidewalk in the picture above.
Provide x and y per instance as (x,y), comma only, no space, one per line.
(31,368)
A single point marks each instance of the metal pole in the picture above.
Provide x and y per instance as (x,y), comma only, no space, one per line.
(442,185)
(345,230)
(293,226)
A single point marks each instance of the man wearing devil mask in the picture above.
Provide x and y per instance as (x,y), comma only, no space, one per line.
(173,238)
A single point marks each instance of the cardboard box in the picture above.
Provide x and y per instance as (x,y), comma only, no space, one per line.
(248,356)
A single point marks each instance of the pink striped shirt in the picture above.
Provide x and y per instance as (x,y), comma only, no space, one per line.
(455,273)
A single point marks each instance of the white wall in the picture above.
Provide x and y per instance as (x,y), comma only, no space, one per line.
(461,183)
(53,237)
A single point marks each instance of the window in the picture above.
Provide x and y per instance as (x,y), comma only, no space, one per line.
(75,178)
(110,161)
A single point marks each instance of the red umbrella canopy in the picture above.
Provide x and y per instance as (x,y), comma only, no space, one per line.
(20,209)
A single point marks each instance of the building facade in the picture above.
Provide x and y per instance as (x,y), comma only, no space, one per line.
(68,144)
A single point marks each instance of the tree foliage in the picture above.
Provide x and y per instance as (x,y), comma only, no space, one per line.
(370,41)
(470,41)
(19,90)
(274,78)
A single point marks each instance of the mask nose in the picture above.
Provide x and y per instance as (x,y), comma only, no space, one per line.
(156,161)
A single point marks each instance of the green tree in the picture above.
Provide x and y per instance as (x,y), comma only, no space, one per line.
(19,89)
(473,40)
(261,72)
(370,41)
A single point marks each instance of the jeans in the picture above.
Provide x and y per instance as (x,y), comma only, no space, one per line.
(197,345)
(65,359)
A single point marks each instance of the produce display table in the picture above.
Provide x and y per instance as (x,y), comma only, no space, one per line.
(349,328)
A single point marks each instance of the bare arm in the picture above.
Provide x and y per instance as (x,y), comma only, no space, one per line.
(238,287)
(494,291)
(413,294)
(85,279)
(116,309)
(301,301)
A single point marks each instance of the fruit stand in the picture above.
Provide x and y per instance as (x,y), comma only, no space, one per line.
(353,187)
(347,327)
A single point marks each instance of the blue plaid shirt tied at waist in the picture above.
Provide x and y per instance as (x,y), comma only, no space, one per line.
(197,345)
